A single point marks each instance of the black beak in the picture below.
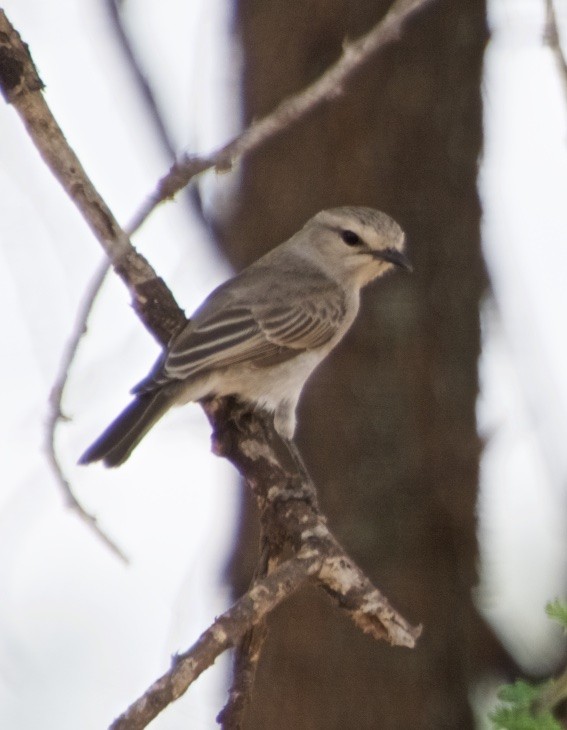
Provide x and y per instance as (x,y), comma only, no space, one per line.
(393,256)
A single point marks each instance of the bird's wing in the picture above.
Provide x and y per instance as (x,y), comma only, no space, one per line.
(262,334)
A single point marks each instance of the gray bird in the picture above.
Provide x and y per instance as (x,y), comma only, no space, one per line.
(260,335)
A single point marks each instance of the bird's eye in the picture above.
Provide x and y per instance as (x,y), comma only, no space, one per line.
(350,238)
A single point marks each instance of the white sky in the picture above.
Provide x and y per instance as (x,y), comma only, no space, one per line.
(72,618)
(81,635)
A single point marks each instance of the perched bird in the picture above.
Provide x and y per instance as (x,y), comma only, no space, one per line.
(260,335)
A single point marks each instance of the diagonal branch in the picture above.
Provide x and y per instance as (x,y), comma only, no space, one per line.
(291,519)
(21,86)
(149,99)
(290,516)
(224,633)
(327,87)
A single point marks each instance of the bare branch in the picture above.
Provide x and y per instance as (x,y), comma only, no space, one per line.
(21,87)
(368,608)
(290,519)
(290,515)
(114,7)
(248,652)
(327,87)
(553,40)
(262,598)
(55,414)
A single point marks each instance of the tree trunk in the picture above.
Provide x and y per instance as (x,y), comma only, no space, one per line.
(387,424)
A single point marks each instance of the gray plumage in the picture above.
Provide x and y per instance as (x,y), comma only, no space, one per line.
(261,334)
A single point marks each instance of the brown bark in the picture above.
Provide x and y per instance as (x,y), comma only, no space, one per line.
(387,425)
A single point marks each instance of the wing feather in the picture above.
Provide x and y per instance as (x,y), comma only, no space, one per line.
(260,334)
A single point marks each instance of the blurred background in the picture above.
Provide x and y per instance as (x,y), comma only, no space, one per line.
(435,433)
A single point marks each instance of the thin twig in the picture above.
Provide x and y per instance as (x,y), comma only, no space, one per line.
(224,633)
(246,660)
(290,515)
(114,9)
(553,40)
(249,649)
(293,521)
(21,86)
(328,86)
(55,413)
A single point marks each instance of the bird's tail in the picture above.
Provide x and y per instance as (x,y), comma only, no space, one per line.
(118,441)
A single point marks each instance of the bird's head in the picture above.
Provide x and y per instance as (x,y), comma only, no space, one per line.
(356,244)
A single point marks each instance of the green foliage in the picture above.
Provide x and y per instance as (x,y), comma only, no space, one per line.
(519,712)
(557,610)
(530,707)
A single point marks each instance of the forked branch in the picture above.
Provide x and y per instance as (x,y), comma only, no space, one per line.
(329,86)
(289,512)
(291,520)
